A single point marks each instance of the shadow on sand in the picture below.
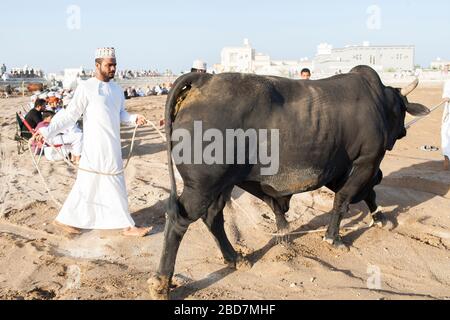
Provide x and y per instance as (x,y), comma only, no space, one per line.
(428,190)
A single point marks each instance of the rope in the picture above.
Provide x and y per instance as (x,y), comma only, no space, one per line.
(411,123)
(278,234)
(70,164)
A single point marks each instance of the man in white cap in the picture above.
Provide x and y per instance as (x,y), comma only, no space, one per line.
(99,197)
(445,132)
(199,66)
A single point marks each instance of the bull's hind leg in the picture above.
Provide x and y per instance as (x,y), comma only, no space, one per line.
(184,212)
(375,211)
(279,206)
(358,180)
(214,220)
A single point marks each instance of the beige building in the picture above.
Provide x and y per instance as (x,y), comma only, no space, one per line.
(381,58)
(328,60)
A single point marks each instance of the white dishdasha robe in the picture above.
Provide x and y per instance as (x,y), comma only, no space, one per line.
(96,201)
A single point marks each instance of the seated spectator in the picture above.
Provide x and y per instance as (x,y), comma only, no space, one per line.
(140,92)
(34,117)
(54,104)
(72,137)
(149,91)
(158,90)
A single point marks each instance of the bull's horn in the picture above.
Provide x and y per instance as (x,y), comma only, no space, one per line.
(410,88)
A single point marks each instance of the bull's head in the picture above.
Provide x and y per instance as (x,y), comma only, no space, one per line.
(399,106)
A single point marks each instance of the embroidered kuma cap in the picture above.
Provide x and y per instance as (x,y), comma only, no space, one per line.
(105,53)
(199,65)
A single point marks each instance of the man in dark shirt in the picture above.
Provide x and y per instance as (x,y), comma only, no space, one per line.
(35,115)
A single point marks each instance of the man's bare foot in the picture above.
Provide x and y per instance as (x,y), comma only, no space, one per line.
(75,161)
(136,232)
(67,229)
(446,163)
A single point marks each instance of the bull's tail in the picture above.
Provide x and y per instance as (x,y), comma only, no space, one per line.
(180,89)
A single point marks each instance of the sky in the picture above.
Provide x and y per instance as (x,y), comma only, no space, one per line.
(171,34)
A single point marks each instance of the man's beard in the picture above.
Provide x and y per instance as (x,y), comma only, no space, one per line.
(107,75)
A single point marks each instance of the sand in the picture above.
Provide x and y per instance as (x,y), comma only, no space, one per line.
(412,256)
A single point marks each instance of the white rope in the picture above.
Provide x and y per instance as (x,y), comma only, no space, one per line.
(411,123)
(70,164)
(278,234)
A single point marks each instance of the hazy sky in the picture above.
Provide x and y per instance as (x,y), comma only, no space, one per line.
(172,33)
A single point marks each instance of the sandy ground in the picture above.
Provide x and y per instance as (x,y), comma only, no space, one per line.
(37,261)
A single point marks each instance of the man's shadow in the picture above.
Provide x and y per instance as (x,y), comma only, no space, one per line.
(154,216)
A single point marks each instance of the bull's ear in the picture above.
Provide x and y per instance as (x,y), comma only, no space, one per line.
(416,109)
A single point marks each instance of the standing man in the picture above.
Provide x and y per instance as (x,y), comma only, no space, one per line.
(305,74)
(199,66)
(99,198)
(445,132)
(3,70)
(34,116)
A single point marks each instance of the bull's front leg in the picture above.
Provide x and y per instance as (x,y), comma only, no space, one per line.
(361,175)
(332,235)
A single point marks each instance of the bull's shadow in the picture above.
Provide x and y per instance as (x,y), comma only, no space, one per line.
(407,179)
(428,189)
(356,214)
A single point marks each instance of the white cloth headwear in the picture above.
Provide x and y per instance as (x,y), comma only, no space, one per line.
(105,53)
(199,65)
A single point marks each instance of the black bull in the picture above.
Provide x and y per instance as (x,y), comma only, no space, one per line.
(333,132)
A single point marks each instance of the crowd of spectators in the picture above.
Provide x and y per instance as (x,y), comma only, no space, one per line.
(158,90)
(20,73)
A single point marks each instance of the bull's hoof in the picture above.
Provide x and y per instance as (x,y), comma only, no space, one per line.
(243,264)
(377,223)
(380,221)
(158,287)
(336,243)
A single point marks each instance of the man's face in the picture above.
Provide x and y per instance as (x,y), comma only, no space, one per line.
(305,75)
(107,68)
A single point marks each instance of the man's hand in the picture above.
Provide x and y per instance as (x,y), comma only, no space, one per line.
(38,137)
(140,120)
(446,99)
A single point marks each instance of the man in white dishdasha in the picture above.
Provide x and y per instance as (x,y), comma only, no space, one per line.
(99,198)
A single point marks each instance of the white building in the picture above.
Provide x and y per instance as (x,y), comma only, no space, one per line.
(245,59)
(327,61)
(440,64)
(381,58)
